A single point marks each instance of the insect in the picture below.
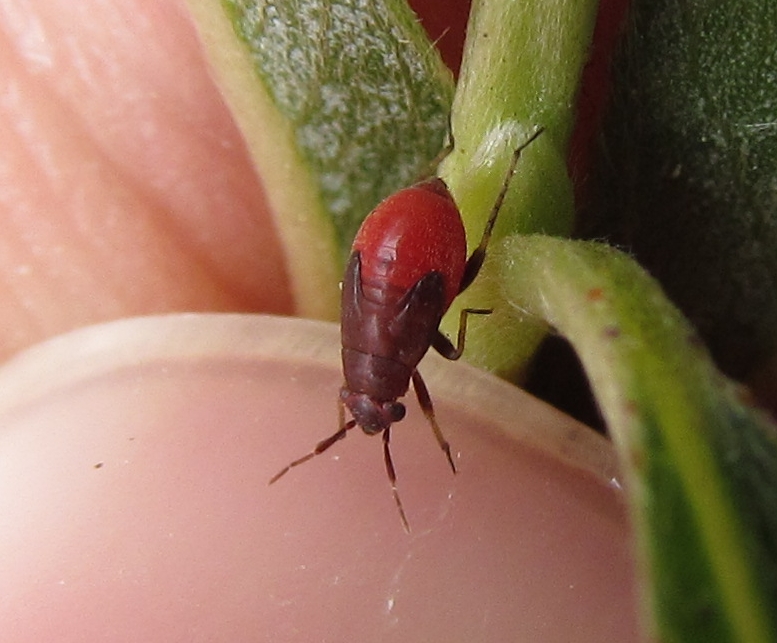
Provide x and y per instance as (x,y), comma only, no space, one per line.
(408,263)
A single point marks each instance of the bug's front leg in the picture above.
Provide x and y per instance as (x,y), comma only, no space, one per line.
(392,476)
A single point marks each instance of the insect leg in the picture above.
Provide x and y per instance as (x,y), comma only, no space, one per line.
(443,345)
(425,402)
(319,448)
(392,476)
(475,261)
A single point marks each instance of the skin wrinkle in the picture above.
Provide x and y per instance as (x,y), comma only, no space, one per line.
(58,116)
(125,186)
(30,153)
(23,26)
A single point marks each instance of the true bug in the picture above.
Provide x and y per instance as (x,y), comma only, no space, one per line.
(408,262)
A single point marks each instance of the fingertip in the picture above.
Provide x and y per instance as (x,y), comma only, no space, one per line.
(177,531)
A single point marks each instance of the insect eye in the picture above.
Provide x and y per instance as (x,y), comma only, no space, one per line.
(394,410)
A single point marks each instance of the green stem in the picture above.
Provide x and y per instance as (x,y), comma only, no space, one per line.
(521,70)
(700,465)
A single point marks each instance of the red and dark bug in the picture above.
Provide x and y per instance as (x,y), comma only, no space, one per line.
(408,263)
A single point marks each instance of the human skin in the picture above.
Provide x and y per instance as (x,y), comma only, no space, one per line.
(135,504)
(126,190)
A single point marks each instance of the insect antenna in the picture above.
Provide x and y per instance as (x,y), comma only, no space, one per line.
(319,449)
(392,476)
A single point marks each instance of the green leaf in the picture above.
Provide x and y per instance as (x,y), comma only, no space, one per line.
(341,102)
(689,165)
(700,463)
(521,70)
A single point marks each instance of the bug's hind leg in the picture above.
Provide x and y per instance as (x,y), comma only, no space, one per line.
(425,402)
(475,261)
